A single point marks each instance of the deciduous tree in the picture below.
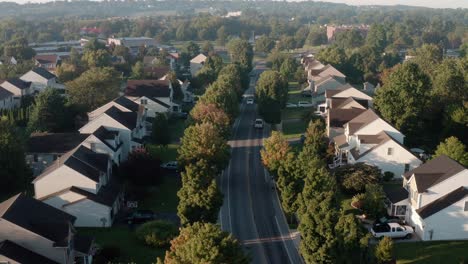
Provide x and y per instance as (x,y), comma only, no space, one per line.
(241,52)
(48,112)
(274,152)
(354,178)
(453,148)
(210,113)
(161,133)
(271,94)
(264,44)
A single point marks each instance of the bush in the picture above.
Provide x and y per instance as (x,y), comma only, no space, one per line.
(374,200)
(384,250)
(388,175)
(107,254)
(157,233)
(358,200)
(354,178)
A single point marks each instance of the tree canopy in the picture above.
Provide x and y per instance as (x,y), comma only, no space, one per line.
(453,148)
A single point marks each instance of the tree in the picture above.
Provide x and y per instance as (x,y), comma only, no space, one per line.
(316,37)
(210,70)
(191,49)
(223,95)
(290,182)
(449,81)
(176,86)
(349,234)
(318,241)
(274,152)
(141,169)
(18,48)
(333,55)
(49,112)
(349,39)
(157,233)
(264,44)
(94,45)
(427,57)
(94,87)
(315,146)
(376,37)
(161,134)
(288,68)
(355,177)
(199,198)
(271,94)
(96,58)
(403,100)
(138,71)
(205,243)
(235,77)
(221,36)
(122,51)
(241,52)
(454,149)
(207,48)
(374,200)
(210,113)
(203,142)
(384,250)
(14,172)
(286,43)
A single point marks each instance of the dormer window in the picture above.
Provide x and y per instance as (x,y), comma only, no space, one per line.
(144,101)
(390,151)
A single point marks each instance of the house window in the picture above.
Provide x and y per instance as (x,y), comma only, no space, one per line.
(390,151)
(144,101)
(400,210)
(466,206)
(406,167)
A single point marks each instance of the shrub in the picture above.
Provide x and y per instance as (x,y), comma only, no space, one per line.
(374,200)
(354,178)
(107,254)
(157,233)
(384,250)
(358,200)
(388,175)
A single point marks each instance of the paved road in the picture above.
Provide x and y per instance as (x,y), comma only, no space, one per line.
(251,209)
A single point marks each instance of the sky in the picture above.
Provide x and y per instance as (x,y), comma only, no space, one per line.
(425,3)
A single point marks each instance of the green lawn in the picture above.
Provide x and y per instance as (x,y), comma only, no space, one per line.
(294,113)
(432,252)
(132,250)
(167,153)
(177,127)
(163,198)
(294,129)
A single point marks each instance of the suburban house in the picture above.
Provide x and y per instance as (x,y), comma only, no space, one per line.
(80,183)
(7,99)
(129,125)
(17,87)
(108,142)
(369,139)
(42,149)
(336,118)
(196,63)
(317,75)
(345,97)
(154,95)
(310,63)
(40,78)
(318,87)
(156,72)
(122,103)
(48,62)
(434,200)
(34,232)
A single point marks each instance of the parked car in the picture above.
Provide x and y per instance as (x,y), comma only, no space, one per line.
(250,101)
(140,217)
(393,230)
(291,105)
(304,104)
(171,165)
(258,123)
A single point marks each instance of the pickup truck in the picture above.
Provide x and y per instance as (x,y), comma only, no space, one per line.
(393,230)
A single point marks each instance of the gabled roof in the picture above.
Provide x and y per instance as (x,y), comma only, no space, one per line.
(443,202)
(161,102)
(339,117)
(82,160)
(148,88)
(157,72)
(326,79)
(329,93)
(434,172)
(104,134)
(200,58)
(127,103)
(38,217)
(127,119)
(54,143)
(44,73)
(19,83)
(330,70)
(343,102)
(395,195)
(44,59)
(362,95)
(107,194)
(361,120)
(4,93)
(20,254)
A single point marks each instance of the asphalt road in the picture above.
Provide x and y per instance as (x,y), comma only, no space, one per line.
(251,209)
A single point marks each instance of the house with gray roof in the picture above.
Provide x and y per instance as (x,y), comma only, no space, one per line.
(436,201)
(81,184)
(41,78)
(34,232)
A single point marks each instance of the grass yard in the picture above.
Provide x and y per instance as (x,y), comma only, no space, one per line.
(132,250)
(163,198)
(432,252)
(177,127)
(294,128)
(167,153)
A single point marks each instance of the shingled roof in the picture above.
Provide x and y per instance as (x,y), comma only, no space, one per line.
(148,88)
(20,84)
(443,202)
(339,117)
(434,172)
(127,103)
(20,254)
(128,119)
(395,195)
(38,217)
(361,120)
(54,143)
(44,73)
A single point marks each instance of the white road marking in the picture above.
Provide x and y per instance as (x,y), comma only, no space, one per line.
(284,242)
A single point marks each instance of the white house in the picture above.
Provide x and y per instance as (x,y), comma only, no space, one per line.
(108,142)
(335,98)
(328,70)
(40,78)
(368,138)
(196,63)
(154,95)
(17,87)
(7,99)
(319,86)
(34,232)
(130,126)
(80,184)
(122,103)
(436,202)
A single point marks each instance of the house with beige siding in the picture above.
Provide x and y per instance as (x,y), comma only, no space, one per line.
(436,200)
(34,232)
(41,78)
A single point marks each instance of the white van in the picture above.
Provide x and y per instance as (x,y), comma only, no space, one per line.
(258,123)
